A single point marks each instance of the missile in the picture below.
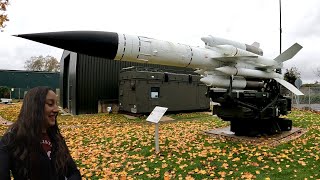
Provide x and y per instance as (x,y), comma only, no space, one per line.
(214,41)
(243,55)
(221,56)
(248,72)
(125,47)
(224,82)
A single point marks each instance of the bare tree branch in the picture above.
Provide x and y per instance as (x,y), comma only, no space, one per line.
(40,63)
(317,72)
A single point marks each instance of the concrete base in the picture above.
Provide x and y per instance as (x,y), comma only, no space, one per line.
(273,140)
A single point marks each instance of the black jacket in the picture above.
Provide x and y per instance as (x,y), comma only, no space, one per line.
(46,167)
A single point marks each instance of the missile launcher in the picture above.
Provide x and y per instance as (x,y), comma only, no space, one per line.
(250,97)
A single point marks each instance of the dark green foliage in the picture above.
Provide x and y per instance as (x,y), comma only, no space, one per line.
(292,74)
(4,92)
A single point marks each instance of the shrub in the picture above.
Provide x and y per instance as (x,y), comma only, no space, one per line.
(4,92)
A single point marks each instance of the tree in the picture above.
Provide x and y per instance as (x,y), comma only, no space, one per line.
(51,64)
(317,72)
(40,63)
(3,16)
(291,75)
(4,92)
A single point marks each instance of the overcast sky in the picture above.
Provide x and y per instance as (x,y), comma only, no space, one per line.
(178,21)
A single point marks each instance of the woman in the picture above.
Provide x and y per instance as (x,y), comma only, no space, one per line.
(33,147)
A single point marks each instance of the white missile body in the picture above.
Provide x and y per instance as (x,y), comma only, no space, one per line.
(224,81)
(219,59)
(142,49)
(214,41)
(248,72)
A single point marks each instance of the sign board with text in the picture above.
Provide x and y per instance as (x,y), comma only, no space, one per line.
(157,114)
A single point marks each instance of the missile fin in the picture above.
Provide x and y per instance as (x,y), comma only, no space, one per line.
(289,53)
(289,86)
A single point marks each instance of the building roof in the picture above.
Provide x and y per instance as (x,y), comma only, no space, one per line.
(26,71)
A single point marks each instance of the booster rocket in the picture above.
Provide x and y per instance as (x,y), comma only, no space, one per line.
(217,61)
(214,41)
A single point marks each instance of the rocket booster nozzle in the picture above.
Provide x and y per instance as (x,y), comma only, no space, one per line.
(95,43)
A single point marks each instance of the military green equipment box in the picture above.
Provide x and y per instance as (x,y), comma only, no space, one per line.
(140,91)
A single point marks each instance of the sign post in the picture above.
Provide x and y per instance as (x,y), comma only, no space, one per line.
(156,138)
(155,117)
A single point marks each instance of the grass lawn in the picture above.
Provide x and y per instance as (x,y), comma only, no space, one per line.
(106,146)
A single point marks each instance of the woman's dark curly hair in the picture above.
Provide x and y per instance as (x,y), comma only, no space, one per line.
(24,136)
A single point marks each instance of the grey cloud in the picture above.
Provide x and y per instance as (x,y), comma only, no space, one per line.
(309,25)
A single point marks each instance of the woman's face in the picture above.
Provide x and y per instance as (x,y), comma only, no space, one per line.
(50,109)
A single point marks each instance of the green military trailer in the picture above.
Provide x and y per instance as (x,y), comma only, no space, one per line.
(140,91)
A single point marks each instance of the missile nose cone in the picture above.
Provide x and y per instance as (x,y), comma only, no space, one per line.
(206,80)
(227,70)
(222,69)
(95,43)
(206,39)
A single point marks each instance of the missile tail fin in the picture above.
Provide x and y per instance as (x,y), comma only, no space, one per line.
(289,53)
(289,86)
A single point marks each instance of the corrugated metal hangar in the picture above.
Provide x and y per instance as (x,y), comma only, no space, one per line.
(86,80)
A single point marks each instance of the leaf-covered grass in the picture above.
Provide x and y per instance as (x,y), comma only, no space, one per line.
(10,112)
(106,146)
